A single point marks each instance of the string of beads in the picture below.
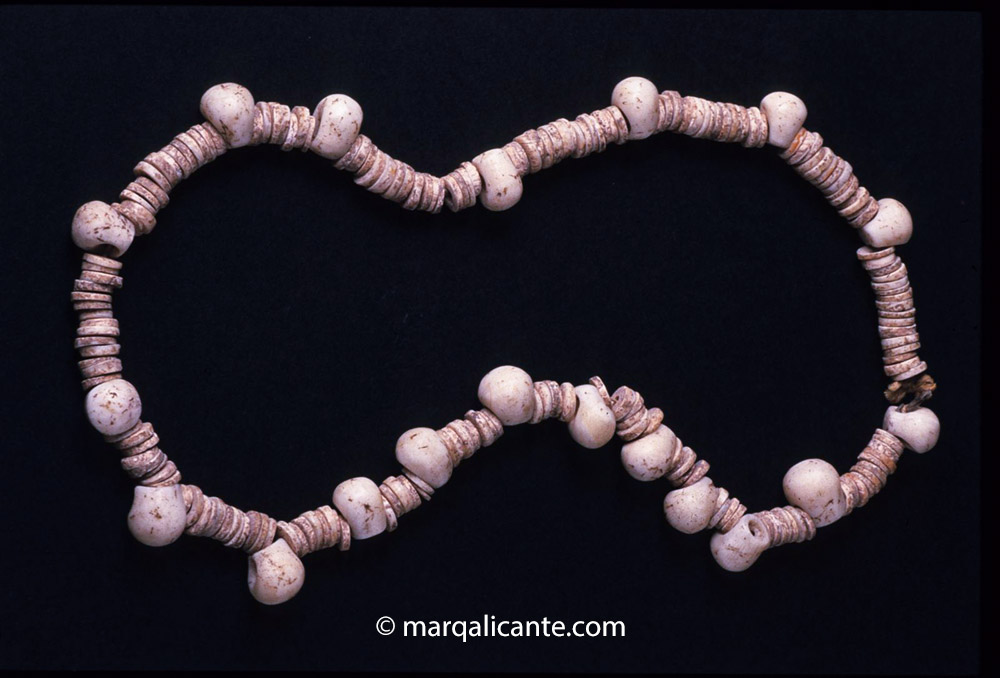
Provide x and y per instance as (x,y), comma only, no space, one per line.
(163,509)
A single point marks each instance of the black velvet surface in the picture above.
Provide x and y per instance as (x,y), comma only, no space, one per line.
(284,327)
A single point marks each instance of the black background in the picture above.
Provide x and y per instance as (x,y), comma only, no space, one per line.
(284,327)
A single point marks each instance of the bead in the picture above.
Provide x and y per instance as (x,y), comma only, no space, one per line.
(230,109)
(785,113)
(814,486)
(509,393)
(98,227)
(594,423)
(918,429)
(360,502)
(113,407)
(638,100)
(275,574)
(690,509)
(739,548)
(338,123)
(648,458)
(501,182)
(892,226)
(422,452)
(157,516)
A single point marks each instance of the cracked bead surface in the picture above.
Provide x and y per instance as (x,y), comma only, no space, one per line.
(648,458)
(593,425)
(113,407)
(230,109)
(814,486)
(99,228)
(275,574)
(739,548)
(785,113)
(360,502)
(638,101)
(338,124)
(690,509)
(158,515)
(509,393)
(502,185)
(422,452)
(919,429)
(892,226)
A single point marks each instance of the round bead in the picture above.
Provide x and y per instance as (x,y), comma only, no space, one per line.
(338,124)
(785,113)
(593,425)
(919,429)
(360,502)
(648,458)
(638,101)
(230,109)
(98,227)
(157,516)
(501,182)
(508,393)
(892,226)
(422,452)
(814,486)
(275,574)
(690,509)
(113,407)
(739,548)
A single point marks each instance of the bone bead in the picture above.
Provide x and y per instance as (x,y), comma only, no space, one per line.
(360,502)
(338,123)
(509,393)
(638,100)
(230,109)
(918,429)
(275,574)
(690,509)
(648,458)
(98,227)
(594,423)
(814,486)
(892,226)
(739,548)
(785,113)
(501,182)
(422,452)
(113,407)
(157,516)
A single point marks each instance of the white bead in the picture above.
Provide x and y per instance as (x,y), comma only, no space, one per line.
(739,548)
(338,124)
(593,425)
(892,226)
(648,457)
(638,101)
(157,516)
(785,113)
(508,393)
(229,107)
(422,452)
(690,509)
(501,183)
(99,228)
(360,502)
(275,574)
(919,429)
(113,407)
(814,486)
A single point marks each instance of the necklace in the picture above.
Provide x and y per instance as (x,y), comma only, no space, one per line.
(163,508)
